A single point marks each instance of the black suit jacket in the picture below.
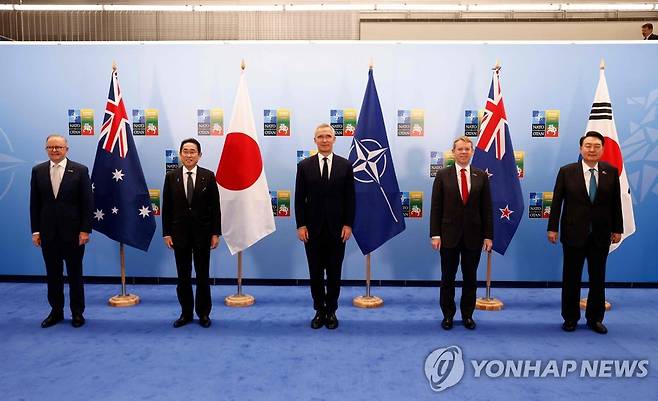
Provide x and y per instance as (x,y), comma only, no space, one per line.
(573,209)
(451,219)
(316,205)
(68,215)
(195,224)
(653,36)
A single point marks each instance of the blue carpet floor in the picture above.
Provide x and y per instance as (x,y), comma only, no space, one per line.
(268,351)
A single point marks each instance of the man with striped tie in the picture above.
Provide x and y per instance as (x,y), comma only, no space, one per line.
(586,202)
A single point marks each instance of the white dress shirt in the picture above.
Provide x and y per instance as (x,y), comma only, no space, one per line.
(587,174)
(330,157)
(185,171)
(459,178)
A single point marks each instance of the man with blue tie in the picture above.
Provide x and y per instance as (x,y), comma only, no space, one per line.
(61,209)
(587,203)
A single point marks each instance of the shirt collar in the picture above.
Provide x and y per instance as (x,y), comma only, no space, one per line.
(459,169)
(62,163)
(193,171)
(330,157)
(586,167)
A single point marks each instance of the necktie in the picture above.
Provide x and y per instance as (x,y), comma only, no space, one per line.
(55,179)
(592,185)
(190,188)
(325,171)
(464,186)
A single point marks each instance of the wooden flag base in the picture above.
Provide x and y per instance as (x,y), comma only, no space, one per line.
(583,304)
(239,300)
(367,302)
(488,304)
(120,301)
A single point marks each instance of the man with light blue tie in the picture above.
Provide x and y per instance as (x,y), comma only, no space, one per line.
(587,203)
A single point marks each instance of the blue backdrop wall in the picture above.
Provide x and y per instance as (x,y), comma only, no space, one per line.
(40,82)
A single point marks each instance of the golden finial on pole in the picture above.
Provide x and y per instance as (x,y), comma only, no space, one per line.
(371,64)
(497,67)
(242,65)
(602,65)
(114,65)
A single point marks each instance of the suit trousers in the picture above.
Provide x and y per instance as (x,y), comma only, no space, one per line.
(325,253)
(450,258)
(55,253)
(201,256)
(572,271)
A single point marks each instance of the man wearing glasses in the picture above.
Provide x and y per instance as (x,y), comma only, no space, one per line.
(191,226)
(61,210)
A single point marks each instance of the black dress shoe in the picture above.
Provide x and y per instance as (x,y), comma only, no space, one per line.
(569,326)
(332,321)
(51,320)
(182,321)
(597,327)
(469,323)
(318,320)
(446,323)
(205,321)
(78,320)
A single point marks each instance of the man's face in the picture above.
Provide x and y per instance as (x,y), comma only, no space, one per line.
(646,31)
(592,149)
(463,152)
(325,140)
(56,148)
(190,155)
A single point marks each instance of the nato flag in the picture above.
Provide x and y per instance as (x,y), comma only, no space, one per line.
(378,215)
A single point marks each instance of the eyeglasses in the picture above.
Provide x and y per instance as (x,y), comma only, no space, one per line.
(55,148)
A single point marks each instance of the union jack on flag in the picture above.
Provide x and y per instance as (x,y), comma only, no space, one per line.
(123,209)
(494,121)
(115,123)
(494,154)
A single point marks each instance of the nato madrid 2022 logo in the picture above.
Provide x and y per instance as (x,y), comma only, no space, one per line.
(444,367)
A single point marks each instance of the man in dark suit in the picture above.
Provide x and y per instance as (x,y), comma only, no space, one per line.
(647,32)
(61,204)
(587,198)
(324,211)
(191,226)
(461,226)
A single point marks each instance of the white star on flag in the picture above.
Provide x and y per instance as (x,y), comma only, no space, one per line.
(115,210)
(144,211)
(98,214)
(367,160)
(117,175)
(486,170)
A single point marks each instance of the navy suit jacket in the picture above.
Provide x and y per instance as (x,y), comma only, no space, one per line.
(316,205)
(578,215)
(451,219)
(68,215)
(195,224)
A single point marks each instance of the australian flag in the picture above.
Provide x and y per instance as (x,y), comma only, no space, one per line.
(494,154)
(378,215)
(121,197)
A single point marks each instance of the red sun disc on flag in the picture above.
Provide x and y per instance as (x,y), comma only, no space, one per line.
(241,163)
(612,154)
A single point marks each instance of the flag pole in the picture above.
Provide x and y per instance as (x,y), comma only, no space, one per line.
(123,299)
(368,300)
(583,301)
(239,299)
(488,303)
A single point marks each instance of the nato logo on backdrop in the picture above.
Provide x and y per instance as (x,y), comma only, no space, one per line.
(81,122)
(145,122)
(545,123)
(210,122)
(411,122)
(343,121)
(276,122)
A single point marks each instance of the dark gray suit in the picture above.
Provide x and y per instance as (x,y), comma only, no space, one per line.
(59,222)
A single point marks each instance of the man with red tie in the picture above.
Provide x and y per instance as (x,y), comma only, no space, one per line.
(461,225)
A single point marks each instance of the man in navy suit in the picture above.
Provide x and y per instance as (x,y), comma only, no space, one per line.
(647,32)
(191,226)
(61,209)
(324,212)
(587,198)
(461,226)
